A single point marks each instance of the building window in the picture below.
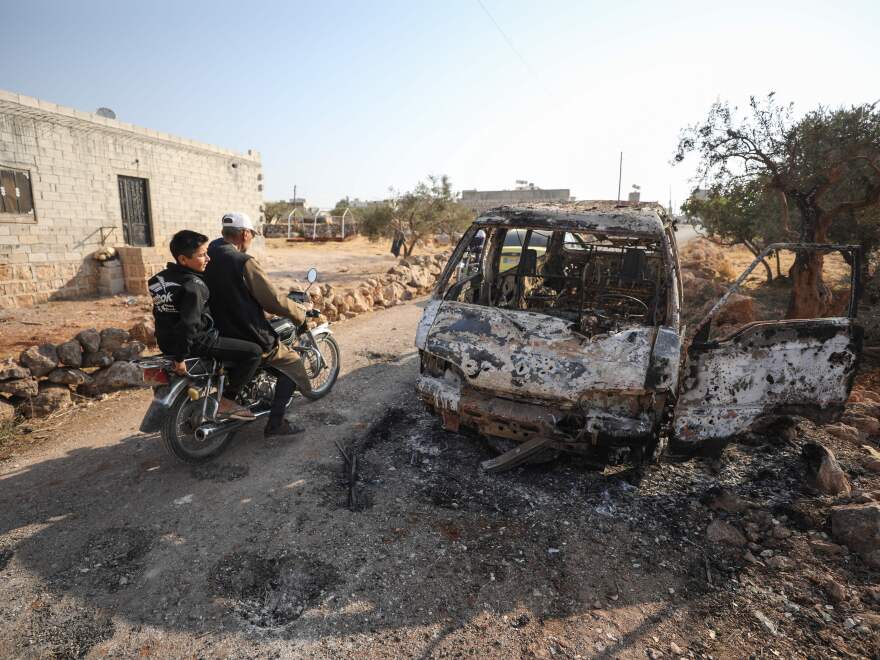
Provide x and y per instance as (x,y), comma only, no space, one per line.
(16,197)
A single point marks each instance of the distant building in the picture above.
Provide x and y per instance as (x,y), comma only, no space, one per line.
(358,203)
(483,200)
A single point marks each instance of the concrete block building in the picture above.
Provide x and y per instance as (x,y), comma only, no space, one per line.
(483,200)
(72,182)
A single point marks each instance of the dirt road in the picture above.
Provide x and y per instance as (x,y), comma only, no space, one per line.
(108,547)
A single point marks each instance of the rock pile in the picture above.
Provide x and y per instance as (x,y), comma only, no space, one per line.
(407,279)
(92,363)
(96,362)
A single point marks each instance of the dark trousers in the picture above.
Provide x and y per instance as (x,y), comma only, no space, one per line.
(284,388)
(245,354)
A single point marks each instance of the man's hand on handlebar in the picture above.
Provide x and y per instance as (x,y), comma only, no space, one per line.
(180,368)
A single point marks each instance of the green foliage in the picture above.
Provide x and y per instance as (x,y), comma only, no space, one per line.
(744,213)
(278,210)
(377,220)
(430,208)
(340,207)
(739,213)
(824,169)
(827,164)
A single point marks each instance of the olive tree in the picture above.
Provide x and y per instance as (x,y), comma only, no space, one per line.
(824,169)
(430,208)
(740,213)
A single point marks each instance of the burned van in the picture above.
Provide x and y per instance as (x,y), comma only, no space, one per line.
(558,328)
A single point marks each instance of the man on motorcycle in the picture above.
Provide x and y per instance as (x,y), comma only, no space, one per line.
(241,295)
(184,326)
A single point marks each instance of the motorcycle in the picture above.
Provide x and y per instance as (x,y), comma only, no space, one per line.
(184,408)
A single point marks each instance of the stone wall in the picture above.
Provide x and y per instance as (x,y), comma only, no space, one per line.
(74,159)
(483,200)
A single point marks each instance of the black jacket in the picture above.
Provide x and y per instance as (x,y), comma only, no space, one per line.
(180,306)
(235,310)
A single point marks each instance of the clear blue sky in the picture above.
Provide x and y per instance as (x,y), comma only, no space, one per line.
(349,98)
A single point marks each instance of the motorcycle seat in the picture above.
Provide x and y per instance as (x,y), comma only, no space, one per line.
(198,366)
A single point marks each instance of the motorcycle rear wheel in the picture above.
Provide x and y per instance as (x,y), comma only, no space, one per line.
(323,381)
(178,433)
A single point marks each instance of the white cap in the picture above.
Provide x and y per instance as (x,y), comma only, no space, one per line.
(238,221)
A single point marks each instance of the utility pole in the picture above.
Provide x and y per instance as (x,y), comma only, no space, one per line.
(620,177)
(294,194)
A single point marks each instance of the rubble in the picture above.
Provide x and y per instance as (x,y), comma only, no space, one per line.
(406,279)
(117,375)
(858,527)
(835,590)
(50,398)
(23,387)
(39,360)
(70,353)
(129,351)
(723,532)
(97,359)
(825,471)
(69,376)
(10,370)
(90,340)
(844,432)
(113,339)
(719,499)
(866,425)
(40,384)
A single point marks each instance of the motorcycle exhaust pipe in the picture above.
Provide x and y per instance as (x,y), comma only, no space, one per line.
(207,431)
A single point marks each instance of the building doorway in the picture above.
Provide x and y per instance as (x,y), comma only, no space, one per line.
(135,201)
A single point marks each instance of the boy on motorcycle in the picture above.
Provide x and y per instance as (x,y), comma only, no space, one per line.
(184,326)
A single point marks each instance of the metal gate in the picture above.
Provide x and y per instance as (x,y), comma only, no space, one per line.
(135,202)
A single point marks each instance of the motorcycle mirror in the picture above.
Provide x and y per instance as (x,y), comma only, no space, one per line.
(312,275)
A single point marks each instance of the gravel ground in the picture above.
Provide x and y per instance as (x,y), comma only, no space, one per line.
(109,548)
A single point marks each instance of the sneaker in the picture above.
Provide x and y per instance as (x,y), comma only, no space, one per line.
(282,428)
(230,409)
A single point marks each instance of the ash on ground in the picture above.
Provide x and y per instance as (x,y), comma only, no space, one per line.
(270,592)
(620,537)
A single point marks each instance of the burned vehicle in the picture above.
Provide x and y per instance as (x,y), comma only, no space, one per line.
(562,331)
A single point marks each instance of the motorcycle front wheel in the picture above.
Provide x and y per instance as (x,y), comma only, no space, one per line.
(322,381)
(178,432)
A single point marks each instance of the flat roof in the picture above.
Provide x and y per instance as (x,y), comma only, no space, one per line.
(644,219)
(40,110)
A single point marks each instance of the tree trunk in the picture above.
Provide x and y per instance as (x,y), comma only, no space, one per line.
(409,247)
(810,297)
(755,251)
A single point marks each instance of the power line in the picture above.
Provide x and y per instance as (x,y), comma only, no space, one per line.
(507,39)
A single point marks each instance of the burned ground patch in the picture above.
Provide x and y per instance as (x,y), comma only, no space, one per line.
(219,471)
(6,555)
(59,629)
(109,560)
(327,418)
(271,591)
(561,541)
